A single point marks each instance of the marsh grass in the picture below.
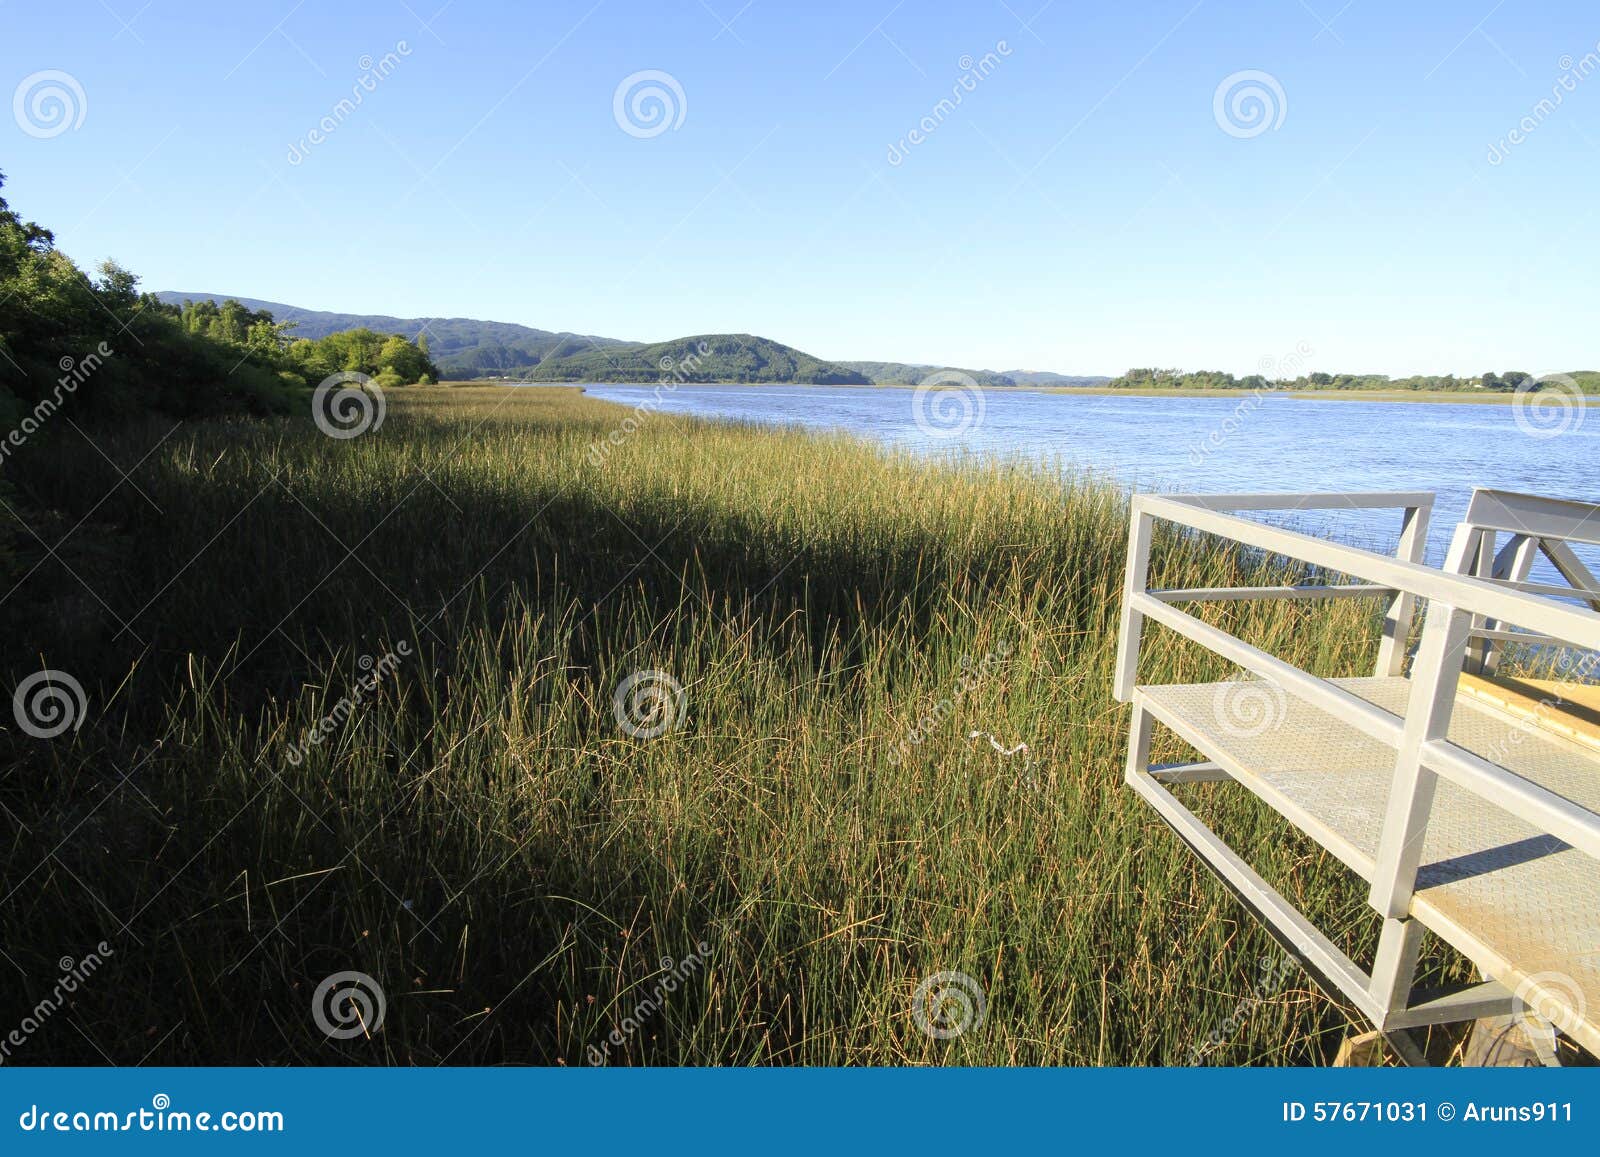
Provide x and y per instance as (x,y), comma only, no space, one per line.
(515,870)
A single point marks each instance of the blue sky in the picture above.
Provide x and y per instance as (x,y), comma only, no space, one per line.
(1083,209)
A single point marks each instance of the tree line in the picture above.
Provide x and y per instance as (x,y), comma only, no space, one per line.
(1152,378)
(389,359)
(94,340)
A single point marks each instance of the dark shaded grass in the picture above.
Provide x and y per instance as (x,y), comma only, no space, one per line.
(481,837)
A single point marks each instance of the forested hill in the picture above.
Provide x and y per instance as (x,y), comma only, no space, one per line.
(911,373)
(714,357)
(462,347)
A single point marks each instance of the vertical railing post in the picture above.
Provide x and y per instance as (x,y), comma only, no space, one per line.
(1403,604)
(1395,967)
(1433,692)
(1513,562)
(1478,562)
(1135,579)
(1138,745)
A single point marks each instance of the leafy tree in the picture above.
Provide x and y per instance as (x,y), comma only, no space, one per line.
(96,344)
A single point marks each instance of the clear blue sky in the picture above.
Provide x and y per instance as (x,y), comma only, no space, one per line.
(1082,210)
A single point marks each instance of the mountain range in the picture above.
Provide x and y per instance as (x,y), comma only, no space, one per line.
(466,347)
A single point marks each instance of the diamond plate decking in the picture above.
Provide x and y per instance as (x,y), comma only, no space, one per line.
(1523,905)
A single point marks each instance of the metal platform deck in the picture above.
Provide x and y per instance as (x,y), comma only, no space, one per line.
(1522,904)
(1469,801)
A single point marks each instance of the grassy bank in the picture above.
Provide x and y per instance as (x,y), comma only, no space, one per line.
(480,833)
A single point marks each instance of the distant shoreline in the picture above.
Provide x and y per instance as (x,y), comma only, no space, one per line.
(1462,397)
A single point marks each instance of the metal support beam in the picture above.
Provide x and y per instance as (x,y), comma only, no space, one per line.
(1134,582)
(1433,695)
(1403,606)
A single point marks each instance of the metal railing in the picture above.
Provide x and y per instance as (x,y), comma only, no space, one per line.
(1536,526)
(1464,608)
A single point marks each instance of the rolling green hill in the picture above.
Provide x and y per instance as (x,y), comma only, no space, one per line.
(463,347)
(1046,378)
(713,357)
(910,373)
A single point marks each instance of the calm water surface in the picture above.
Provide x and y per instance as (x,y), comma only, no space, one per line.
(1271,443)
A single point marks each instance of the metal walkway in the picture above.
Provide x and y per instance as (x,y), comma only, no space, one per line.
(1468,806)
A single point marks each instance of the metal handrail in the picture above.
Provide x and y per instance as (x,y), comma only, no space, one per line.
(1464,592)
(1536,525)
(1422,747)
